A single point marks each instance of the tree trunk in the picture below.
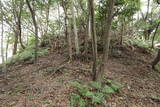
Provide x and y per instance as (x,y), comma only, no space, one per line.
(75,29)
(6,56)
(155,34)
(148,6)
(19,25)
(68,37)
(156,60)
(86,41)
(146,34)
(89,21)
(122,32)
(35,27)
(47,20)
(2,32)
(15,43)
(106,42)
(59,17)
(94,38)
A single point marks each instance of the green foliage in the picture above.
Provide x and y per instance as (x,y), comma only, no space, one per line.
(96,85)
(140,42)
(108,90)
(157,68)
(26,54)
(76,100)
(92,93)
(157,98)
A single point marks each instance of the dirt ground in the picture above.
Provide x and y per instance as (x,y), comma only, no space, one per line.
(48,84)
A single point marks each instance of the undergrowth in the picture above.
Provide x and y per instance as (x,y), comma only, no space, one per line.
(26,54)
(147,44)
(92,93)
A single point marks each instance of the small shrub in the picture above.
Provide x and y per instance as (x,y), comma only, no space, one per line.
(26,54)
(157,98)
(140,42)
(92,93)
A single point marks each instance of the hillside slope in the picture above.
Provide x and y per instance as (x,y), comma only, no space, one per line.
(48,84)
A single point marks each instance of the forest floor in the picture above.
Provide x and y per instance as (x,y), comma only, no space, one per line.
(48,84)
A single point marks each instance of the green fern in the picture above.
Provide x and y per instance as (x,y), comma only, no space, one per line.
(93,92)
(108,90)
(96,85)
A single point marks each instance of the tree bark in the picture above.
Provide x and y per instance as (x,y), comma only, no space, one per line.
(148,6)
(122,31)
(2,32)
(156,60)
(146,34)
(6,54)
(19,25)
(35,27)
(68,36)
(17,18)
(106,40)
(59,19)
(89,21)
(15,46)
(94,38)
(75,28)
(155,34)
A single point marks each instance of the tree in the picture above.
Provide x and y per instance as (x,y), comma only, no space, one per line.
(68,36)
(89,20)
(75,28)
(106,39)
(2,33)
(32,11)
(17,13)
(94,38)
(155,33)
(146,33)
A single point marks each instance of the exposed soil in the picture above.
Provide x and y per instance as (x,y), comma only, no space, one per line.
(48,84)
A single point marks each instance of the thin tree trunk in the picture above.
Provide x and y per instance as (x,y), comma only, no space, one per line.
(20,36)
(35,27)
(6,56)
(2,32)
(15,43)
(155,34)
(4,68)
(122,32)
(94,38)
(47,19)
(68,32)
(106,42)
(86,41)
(59,19)
(68,36)
(156,60)
(75,29)
(89,21)
(146,34)
(148,6)
(19,25)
